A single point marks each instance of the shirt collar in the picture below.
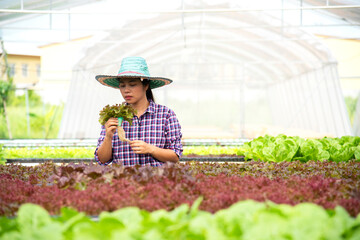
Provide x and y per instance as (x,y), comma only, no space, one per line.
(151,107)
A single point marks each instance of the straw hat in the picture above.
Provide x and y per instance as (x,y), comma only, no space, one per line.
(132,67)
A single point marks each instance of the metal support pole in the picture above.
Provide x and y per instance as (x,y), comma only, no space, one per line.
(183,23)
(165,91)
(289,103)
(329,95)
(320,91)
(314,103)
(44,114)
(304,106)
(27,111)
(345,120)
(282,18)
(191,11)
(301,12)
(242,102)
(50,15)
(69,26)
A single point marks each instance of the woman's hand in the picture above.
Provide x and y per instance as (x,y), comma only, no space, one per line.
(110,127)
(161,154)
(141,147)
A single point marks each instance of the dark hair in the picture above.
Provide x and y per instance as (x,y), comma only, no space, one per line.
(149,94)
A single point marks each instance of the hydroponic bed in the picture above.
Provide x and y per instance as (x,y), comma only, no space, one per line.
(92,188)
(320,198)
(291,193)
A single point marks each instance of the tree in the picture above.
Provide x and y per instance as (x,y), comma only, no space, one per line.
(6,86)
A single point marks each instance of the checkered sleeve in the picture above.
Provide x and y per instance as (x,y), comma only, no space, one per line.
(100,141)
(173,134)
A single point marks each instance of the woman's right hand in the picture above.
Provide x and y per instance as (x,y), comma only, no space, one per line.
(110,127)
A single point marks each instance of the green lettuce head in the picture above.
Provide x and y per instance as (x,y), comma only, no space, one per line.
(118,110)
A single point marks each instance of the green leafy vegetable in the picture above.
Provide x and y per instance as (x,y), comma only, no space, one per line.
(265,148)
(288,148)
(34,222)
(88,152)
(357,153)
(274,149)
(243,220)
(49,152)
(312,149)
(116,111)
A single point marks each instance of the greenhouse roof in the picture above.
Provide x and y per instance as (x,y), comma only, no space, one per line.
(304,13)
(262,53)
(9,17)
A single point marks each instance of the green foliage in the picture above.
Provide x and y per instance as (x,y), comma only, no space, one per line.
(19,100)
(351,107)
(88,152)
(115,111)
(274,149)
(267,148)
(44,118)
(2,155)
(312,149)
(33,222)
(209,150)
(5,89)
(49,152)
(341,149)
(287,148)
(243,220)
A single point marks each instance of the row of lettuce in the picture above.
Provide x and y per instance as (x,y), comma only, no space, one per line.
(254,200)
(267,148)
(243,220)
(92,188)
(285,148)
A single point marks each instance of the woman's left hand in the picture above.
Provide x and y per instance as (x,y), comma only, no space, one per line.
(141,147)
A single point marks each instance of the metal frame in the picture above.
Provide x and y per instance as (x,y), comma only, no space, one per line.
(212,10)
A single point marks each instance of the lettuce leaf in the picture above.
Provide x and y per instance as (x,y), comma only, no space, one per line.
(312,149)
(292,148)
(115,111)
(357,153)
(243,220)
(274,149)
(35,223)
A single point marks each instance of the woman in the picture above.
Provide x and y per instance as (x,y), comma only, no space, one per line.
(155,134)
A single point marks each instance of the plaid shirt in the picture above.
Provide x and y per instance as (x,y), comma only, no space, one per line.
(158,126)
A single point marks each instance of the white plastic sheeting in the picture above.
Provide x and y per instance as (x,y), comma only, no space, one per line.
(357,118)
(235,75)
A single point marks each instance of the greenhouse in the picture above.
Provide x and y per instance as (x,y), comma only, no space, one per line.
(268,70)
(263,77)
(262,116)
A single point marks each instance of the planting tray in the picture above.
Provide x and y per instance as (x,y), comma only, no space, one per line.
(68,160)
(36,143)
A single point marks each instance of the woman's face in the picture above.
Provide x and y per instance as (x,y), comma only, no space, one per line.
(132,90)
